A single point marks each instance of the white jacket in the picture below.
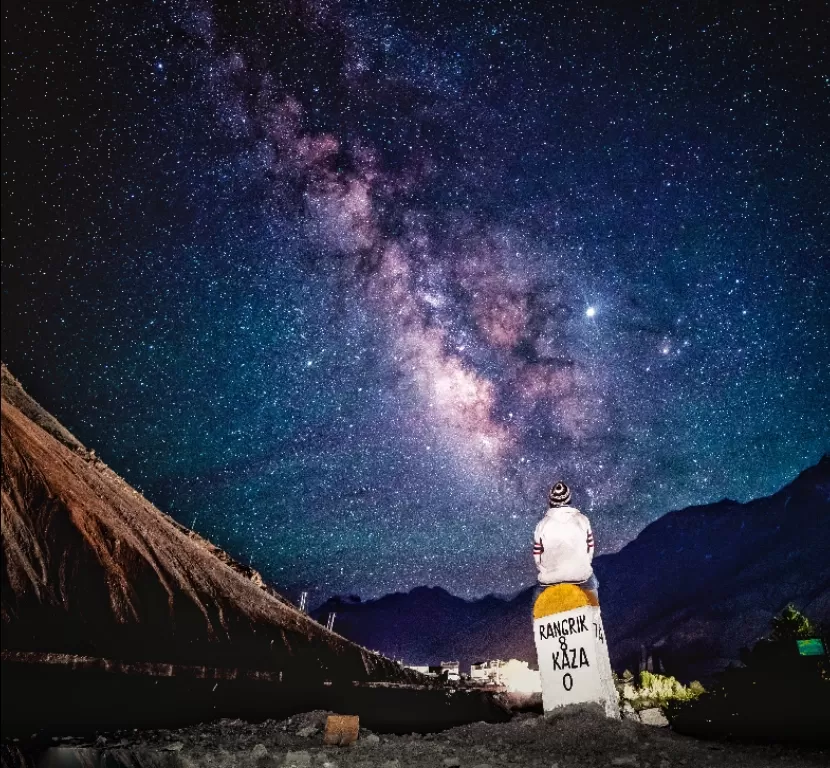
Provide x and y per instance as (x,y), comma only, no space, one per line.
(563,546)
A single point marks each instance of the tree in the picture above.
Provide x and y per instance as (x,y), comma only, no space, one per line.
(791,624)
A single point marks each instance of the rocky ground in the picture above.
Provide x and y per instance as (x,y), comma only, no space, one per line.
(576,739)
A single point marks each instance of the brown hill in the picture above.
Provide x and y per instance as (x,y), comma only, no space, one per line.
(92,569)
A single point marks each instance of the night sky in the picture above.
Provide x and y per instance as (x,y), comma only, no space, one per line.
(346,287)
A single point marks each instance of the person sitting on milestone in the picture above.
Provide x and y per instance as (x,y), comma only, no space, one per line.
(563,545)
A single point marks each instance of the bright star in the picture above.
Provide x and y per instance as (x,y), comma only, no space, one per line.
(590,312)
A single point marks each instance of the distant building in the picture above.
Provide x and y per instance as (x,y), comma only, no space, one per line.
(486,672)
(449,669)
(513,675)
(424,670)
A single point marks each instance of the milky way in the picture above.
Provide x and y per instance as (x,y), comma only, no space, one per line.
(346,287)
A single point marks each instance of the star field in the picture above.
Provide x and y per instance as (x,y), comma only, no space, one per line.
(346,286)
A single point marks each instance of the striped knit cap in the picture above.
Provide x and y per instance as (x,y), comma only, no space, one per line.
(560,495)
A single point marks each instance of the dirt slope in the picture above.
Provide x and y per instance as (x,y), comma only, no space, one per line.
(91,568)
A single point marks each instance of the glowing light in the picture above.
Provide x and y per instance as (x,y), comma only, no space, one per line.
(590,312)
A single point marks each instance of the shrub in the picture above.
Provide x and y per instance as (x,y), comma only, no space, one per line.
(654,690)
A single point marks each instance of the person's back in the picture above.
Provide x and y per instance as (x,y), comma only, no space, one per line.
(563,543)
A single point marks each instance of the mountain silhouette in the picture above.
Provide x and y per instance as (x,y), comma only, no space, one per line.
(690,590)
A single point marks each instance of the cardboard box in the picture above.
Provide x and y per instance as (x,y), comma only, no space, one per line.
(341,730)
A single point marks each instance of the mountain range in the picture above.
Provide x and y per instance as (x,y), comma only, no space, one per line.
(684,596)
(91,570)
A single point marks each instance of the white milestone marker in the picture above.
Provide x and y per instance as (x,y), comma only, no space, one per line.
(573,656)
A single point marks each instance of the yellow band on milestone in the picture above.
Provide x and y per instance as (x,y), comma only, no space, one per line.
(561,597)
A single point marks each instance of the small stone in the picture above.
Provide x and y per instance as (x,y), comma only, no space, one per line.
(299,759)
(391,764)
(451,762)
(630,760)
(629,713)
(259,751)
(307,731)
(653,716)
(370,740)
(174,746)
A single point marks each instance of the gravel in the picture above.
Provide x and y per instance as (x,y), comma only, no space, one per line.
(578,738)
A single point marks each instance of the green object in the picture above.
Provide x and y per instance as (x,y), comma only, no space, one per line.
(811,647)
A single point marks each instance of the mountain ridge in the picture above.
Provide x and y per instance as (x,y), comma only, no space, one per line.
(724,569)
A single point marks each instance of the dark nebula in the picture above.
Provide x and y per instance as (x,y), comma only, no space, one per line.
(346,286)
